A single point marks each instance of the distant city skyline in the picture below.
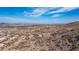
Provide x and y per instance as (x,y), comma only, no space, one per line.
(39,15)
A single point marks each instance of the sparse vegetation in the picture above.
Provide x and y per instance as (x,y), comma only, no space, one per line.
(40,38)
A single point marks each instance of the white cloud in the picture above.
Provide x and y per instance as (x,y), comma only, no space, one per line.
(38,11)
(64,9)
(42,10)
(56,15)
(7,20)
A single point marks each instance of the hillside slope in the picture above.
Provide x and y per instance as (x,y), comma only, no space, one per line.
(40,38)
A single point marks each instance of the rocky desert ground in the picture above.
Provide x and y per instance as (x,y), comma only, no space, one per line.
(63,37)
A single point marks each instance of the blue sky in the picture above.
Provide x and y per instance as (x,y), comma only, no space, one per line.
(39,15)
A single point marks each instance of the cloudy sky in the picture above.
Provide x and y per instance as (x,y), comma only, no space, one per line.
(39,15)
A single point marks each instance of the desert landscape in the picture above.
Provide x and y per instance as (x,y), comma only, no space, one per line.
(58,37)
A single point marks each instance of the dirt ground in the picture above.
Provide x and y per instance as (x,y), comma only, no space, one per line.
(40,38)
